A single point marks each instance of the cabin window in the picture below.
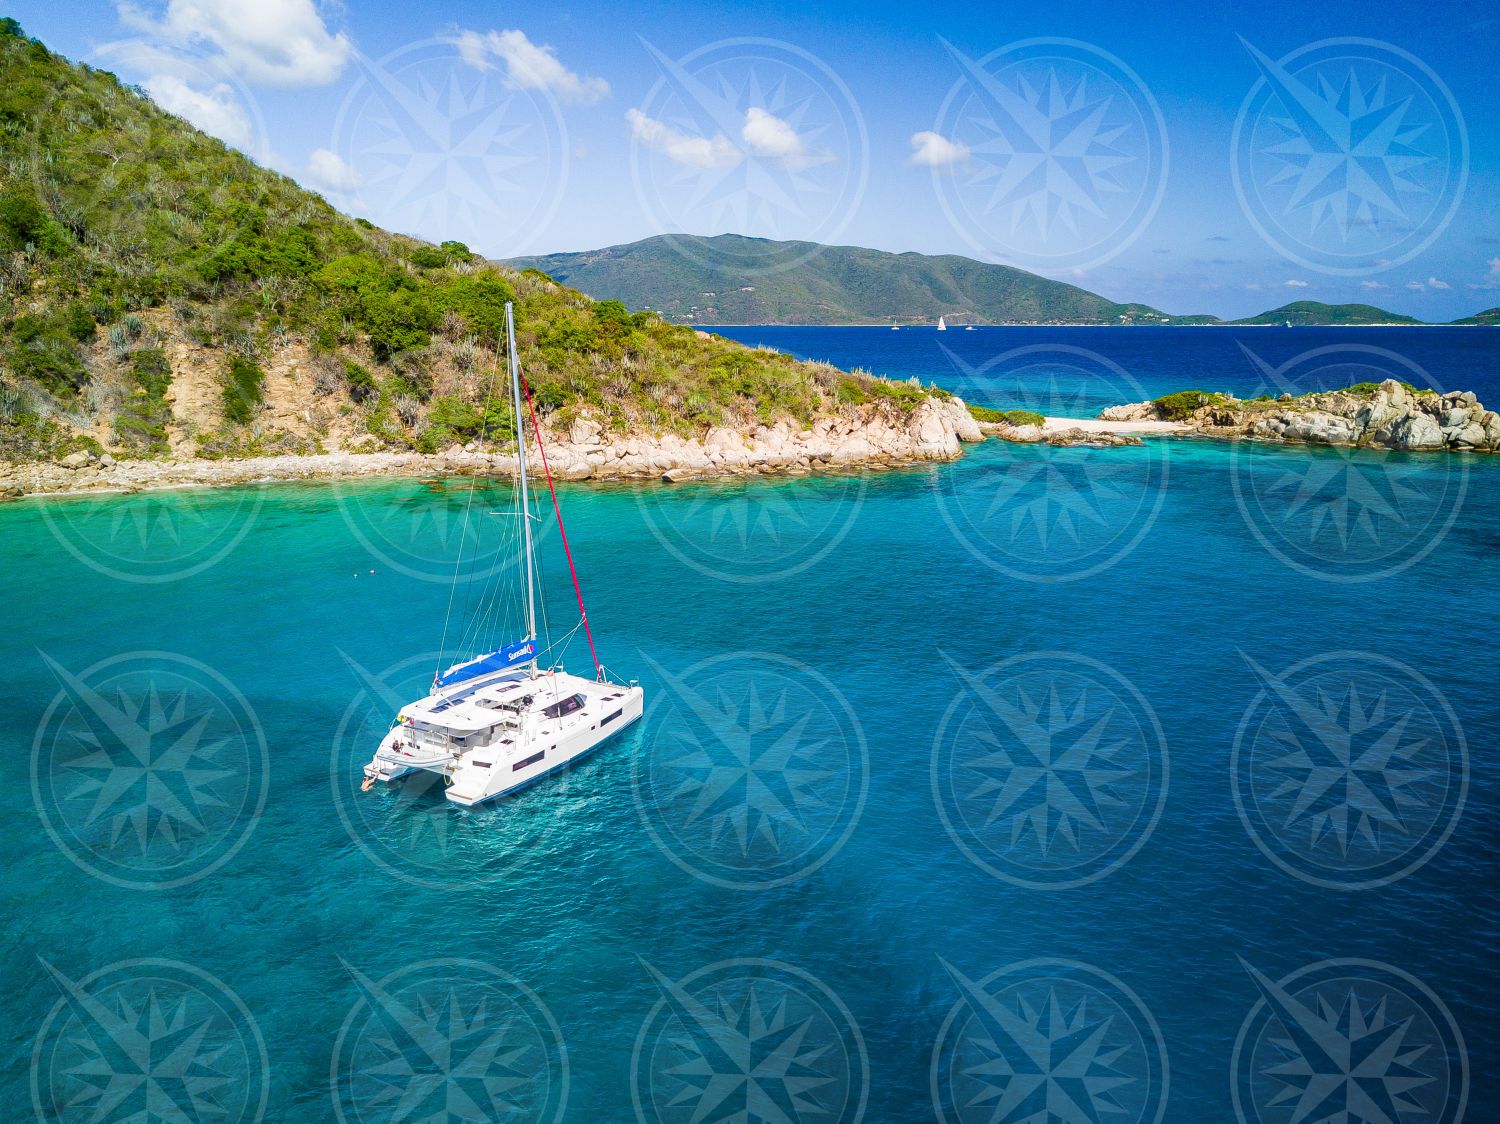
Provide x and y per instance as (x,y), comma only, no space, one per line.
(611,718)
(532,760)
(564,706)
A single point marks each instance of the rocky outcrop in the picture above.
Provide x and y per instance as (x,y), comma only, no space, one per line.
(872,436)
(1069,436)
(1392,417)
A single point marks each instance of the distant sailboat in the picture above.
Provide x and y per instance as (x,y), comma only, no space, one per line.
(895,327)
(968,327)
(942,325)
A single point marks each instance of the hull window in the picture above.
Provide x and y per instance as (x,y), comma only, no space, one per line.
(611,718)
(532,760)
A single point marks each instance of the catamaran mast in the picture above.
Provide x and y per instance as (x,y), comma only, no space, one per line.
(528,561)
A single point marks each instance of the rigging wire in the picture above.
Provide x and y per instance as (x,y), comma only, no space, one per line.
(561,531)
(463,536)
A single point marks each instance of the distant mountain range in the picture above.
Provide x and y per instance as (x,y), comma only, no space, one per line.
(731,279)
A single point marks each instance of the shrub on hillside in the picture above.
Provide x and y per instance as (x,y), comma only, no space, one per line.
(1181,406)
(244,390)
(142,422)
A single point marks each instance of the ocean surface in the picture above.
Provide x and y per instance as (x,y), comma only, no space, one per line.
(1133,784)
(1075,372)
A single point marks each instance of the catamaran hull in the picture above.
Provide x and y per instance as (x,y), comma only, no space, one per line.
(558,767)
(477,781)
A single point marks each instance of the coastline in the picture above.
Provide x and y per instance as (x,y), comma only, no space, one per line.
(936,432)
(871,439)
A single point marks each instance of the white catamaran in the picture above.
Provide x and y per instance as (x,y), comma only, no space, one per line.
(499,720)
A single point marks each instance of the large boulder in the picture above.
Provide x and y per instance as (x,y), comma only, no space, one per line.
(1471,436)
(1134,411)
(1413,431)
(930,430)
(584,431)
(1318,428)
(1020,434)
(1385,407)
(965,428)
(77,460)
(721,439)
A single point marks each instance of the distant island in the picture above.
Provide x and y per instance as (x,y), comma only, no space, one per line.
(1307,313)
(732,279)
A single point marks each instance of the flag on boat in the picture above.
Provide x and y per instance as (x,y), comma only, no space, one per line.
(500,659)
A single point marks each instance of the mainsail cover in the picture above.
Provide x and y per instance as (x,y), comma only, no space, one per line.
(508,656)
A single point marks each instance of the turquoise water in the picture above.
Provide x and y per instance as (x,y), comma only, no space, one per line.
(856,641)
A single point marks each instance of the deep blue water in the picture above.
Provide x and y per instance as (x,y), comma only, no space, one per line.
(852,688)
(1077,371)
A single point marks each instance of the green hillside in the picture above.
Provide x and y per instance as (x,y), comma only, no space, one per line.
(160,292)
(1316,312)
(1489,317)
(730,279)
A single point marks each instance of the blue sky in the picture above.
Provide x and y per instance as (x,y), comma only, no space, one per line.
(1222,158)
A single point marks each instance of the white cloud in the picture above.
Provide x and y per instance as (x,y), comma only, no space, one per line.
(330,171)
(763,135)
(1371,285)
(1416,286)
(770,137)
(933,150)
(268,42)
(529,66)
(215,110)
(1492,278)
(1434,283)
(696,152)
(1295,284)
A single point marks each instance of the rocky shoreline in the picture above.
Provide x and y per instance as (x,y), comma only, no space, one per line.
(1392,415)
(864,438)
